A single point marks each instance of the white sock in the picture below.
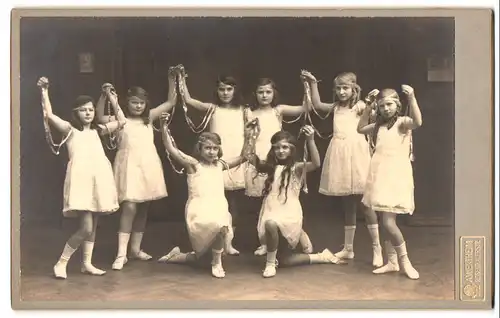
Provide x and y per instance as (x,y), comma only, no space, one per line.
(349,231)
(271,257)
(316,258)
(374,234)
(217,256)
(135,242)
(66,254)
(123,239)
(88,248)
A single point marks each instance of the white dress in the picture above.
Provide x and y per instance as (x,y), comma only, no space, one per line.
(229,124)
(288,215)
(137,167)
(89,184)
(207,208)
(270,123)
(347,158)
(389,186)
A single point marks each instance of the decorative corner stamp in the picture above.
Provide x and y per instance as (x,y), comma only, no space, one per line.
(472,268)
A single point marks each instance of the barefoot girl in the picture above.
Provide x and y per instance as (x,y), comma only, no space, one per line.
(207,216)
(270,114)
(281,215)
(347,160)
(226,118)
(89,188)
(138,169)
(389,187)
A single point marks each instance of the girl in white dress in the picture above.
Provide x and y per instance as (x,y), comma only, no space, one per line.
(89,188)
(207,214)
(347,160)
(227,119)
(281,212)
(389,186)
(270,114)
(137,168)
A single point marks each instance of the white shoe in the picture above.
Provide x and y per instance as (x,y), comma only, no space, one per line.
(378,259)
(141,255)
(327,255)
(345,254)
(92,270)
(218,271)
(261,250)
(174,252)
(270,270)
(119,262)
(60,270)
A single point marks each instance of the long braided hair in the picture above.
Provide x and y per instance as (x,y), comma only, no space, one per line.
(269,166)
(380,119)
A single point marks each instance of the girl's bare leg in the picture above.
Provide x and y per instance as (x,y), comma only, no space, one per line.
(396,249)
(373,228)
(129,211)
(73,244)
(233,202)
(138,228)
(217,249)
(349,204)
(272,240)
(88,248)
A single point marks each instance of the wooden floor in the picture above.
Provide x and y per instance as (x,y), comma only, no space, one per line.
(430,249)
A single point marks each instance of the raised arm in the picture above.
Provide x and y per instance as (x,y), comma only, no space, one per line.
(186,161)
(110,127)
(189,100)
(59,124)
(364,125)
(315,97)
(315,161)
(101,102)
(415,119)
(156,112)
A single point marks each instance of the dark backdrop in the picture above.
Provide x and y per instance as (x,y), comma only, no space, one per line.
(383,52)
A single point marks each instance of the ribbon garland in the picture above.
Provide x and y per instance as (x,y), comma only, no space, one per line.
(181,77)
(111,136)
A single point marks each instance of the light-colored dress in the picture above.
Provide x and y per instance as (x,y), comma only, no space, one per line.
(287,214)
(137,167)
(229,124)
(347,158)
(270,123)
(89,184)
(207,208)
(389,186)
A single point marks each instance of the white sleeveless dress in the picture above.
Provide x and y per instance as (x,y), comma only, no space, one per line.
(389,186)
(89,184)
(229,124)
(137,167)
(287,214)
(347,158)
(270,123)
(206,208)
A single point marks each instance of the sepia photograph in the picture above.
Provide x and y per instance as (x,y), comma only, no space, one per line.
(225,157)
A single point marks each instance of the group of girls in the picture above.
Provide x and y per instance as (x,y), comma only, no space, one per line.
(245,152)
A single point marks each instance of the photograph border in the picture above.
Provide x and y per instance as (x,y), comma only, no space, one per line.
(474,147)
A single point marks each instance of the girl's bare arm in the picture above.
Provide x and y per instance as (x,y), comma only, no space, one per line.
(191,101)
(315,161)
(415,119)
(156,112)
(59,124)
(110,127)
